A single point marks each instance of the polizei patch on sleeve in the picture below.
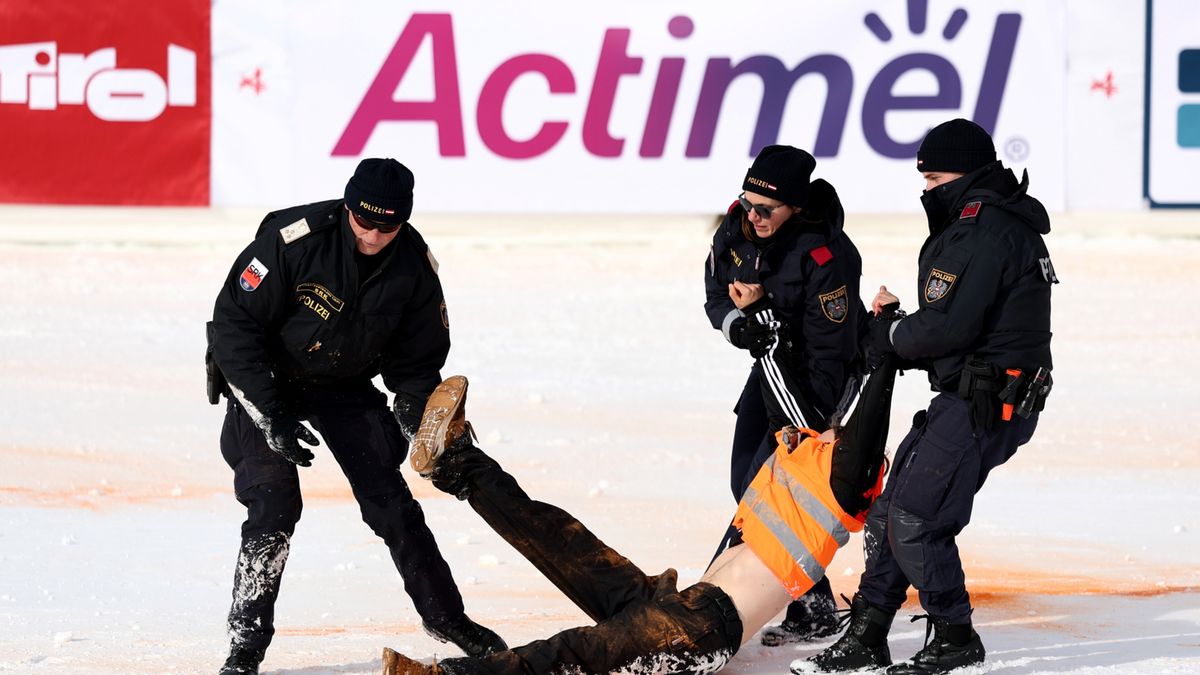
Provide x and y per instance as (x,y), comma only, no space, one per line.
(253,275)
(835,305)
(938,285)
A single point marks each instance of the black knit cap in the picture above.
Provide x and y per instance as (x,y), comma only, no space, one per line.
(957,146)
(781,172)
(381,190)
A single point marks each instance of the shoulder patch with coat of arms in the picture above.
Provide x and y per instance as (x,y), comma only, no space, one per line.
(938,285)
(835,305)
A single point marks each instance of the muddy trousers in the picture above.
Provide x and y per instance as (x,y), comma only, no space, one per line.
(364,439)
(641,622)
(910,532)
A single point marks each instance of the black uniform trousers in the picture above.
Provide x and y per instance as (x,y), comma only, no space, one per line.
(753,443)
(365,439)
(909,535)
(643,624)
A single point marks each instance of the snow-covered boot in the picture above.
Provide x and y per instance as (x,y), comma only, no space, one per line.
(953,646)
(242,662)
(863,646)
(812,617)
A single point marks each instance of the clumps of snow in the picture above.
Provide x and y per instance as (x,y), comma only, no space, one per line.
(463,540)
(849,572)
(488,560)
(69,540)
(177,491)
(346,567)
(598,489)
(63,637)
(537,399)
(1179,529)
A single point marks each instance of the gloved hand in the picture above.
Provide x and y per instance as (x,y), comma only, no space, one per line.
(283,433)
(759,337)
(879,335)
(408,409)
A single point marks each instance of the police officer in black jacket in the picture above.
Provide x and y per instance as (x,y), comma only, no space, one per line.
(328,296)
(782,282)
(982,330)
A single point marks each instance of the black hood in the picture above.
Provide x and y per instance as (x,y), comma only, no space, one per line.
(823,213)
(993,185)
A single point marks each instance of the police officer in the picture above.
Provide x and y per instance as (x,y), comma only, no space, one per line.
(982,330)
(328,296)
(782,282)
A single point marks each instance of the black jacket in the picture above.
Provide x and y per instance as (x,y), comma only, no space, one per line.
(294,314)
(810,271)
(984,280)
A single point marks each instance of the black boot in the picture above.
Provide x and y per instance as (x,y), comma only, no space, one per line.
(953,646)
(242,662)
(475,640)
(814,616)
(863,646)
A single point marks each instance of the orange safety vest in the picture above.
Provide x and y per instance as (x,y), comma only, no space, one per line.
(789,516)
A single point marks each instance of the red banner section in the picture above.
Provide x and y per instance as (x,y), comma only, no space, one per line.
(105,102)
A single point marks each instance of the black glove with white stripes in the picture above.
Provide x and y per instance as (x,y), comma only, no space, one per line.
(760,337)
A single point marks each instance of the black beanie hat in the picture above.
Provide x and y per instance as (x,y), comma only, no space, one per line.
(781,172)
(957,146)
(381,190)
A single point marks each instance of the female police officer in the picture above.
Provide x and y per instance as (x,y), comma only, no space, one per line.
(782,282)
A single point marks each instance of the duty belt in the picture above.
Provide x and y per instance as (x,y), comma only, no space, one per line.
(1019,390)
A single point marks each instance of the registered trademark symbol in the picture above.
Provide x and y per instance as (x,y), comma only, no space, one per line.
(1016,149)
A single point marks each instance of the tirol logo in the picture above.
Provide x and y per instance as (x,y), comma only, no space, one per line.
(38,76)
(778,76)
(111,105)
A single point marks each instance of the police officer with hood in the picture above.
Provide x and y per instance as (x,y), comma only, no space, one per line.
(982,331)
(782,282)
(328,296)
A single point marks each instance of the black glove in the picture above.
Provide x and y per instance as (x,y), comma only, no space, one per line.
(283,433)
(879,335)
(408,409)
(760,337)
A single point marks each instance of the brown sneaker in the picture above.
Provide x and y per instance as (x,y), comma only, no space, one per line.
(443,422)
(395,663)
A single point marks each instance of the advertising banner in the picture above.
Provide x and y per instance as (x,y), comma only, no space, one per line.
(105,103)
(1173,103)
(639,106)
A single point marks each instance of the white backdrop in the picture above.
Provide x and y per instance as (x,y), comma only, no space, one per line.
(288,78)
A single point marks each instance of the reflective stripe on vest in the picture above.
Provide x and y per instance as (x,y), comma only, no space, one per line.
(813,506)
(782,533)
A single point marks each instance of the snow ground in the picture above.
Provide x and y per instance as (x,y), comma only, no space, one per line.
(597,381)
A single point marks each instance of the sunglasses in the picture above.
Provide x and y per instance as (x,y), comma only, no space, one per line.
(763,211)
(368,224)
